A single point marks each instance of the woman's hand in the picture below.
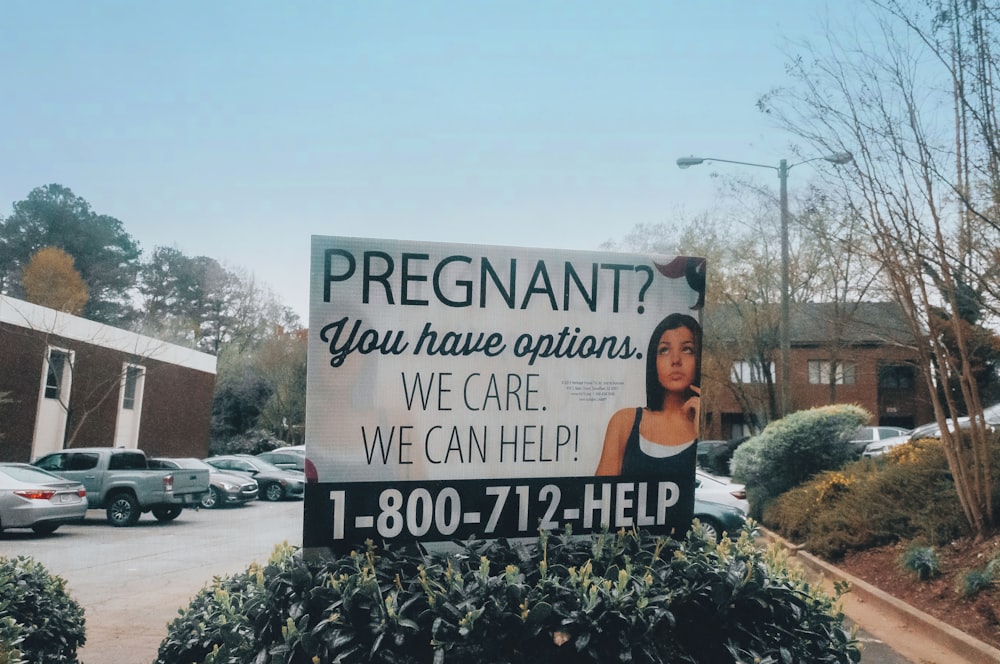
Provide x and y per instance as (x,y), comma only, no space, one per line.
(692,407)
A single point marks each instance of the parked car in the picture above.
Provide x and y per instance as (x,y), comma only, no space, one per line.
(286,457)
(869,434)
(930,430)
(880,447)
(121,481)
(224,488)
(275,483)
(33,498)
(991,414)
(717,519)
(720,490)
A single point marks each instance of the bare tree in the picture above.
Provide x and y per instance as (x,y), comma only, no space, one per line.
(282,358)
(912,99)
(742,308)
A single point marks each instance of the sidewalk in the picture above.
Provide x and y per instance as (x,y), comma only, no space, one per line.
(915,635)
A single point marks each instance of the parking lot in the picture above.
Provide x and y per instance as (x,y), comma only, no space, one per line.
(132,581)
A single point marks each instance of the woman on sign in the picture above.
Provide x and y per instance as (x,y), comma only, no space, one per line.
(658,439)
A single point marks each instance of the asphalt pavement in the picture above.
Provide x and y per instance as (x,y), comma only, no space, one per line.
(131,582)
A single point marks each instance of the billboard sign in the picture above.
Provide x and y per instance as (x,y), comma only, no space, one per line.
(466,390)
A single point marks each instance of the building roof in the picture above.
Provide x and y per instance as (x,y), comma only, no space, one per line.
(816,323)
(860,323)
(34,317)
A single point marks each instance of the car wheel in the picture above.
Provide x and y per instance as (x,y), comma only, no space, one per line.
(167,512)
(123,510)
(211,499)
(45,528)
(712,528)
(274,492)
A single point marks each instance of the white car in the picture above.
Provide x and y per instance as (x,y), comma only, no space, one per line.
(865,437)
(991,415)
(880,447)
(720,490)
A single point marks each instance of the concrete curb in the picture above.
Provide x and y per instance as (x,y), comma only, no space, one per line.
(890,608)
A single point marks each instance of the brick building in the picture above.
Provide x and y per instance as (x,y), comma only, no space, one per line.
(862,353)
(69,382)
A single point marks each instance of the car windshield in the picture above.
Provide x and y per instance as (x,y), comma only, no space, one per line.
(26,474)
(924,429)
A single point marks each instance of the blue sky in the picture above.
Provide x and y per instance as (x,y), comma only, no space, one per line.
(237,130)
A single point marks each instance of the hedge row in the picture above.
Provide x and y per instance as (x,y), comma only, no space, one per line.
(625,597)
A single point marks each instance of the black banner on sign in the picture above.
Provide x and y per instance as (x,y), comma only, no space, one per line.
(341,516)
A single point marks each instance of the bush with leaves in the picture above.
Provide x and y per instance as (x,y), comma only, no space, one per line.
(923,561)
(11,636)
(49,623)
(791,450)
(907,494)
(717,458)
(625,597)
(254,441)
(974,581)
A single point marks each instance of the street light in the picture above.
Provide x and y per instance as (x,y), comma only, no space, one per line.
(783,167)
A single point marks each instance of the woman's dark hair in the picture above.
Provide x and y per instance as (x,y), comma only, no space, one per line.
(654,391)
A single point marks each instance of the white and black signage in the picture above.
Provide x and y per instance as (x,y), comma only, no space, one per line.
(459,390)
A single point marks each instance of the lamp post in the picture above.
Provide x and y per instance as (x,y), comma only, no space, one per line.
(783,167)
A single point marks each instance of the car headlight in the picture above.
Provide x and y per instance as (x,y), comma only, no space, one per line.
(229,487)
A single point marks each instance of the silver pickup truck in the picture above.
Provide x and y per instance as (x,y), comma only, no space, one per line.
(121,482)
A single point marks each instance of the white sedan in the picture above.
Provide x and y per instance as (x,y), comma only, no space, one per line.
(720,490)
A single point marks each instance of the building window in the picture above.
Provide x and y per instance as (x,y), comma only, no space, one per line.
(132,375)
(750,372)
(821,372)
(58,360)
(896,377)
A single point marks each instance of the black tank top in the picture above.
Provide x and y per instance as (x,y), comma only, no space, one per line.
(676,468)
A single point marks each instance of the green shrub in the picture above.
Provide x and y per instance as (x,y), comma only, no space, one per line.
(249,442)
(905,495)
(51,622)
(791,450)
(993,567)
(973,581)
(922,561)
(716,459)
(624,597)
(11,635)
